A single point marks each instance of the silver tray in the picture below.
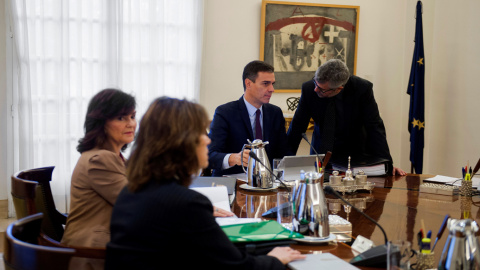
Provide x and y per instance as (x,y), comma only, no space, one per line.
(352,188)
(250,188)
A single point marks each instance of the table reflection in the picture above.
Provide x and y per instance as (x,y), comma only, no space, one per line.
(395,203)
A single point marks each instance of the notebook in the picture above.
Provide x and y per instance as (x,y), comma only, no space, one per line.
(293,164)
(322,260)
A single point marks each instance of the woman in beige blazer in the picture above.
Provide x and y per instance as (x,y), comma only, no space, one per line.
(99,175)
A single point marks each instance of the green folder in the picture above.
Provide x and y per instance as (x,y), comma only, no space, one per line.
(258,231)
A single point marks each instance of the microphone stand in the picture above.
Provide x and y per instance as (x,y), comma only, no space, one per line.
(254,156)
(336,194)
(374,257)
(304,136)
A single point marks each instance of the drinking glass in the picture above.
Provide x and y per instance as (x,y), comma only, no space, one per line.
(285,209)
(277,168)
(398,255)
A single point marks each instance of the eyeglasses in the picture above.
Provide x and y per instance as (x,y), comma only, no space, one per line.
(321,89)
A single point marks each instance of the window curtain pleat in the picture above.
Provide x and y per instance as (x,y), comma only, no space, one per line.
(65,51)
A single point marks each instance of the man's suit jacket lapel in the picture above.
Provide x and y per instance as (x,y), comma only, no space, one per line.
(245,118)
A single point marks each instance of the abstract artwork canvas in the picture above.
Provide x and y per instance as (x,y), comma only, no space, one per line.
(296,38)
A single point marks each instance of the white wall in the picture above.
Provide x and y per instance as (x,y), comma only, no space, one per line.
(454,99)
(385,49)
(4,174)
(384,55)
(232,39)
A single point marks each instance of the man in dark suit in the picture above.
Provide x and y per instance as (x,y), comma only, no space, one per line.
(251,117)
(346,116)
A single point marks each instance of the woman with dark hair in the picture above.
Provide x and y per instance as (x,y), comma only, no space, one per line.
(157,219)
(99,175)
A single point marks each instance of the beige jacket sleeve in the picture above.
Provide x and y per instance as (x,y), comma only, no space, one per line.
(106,171)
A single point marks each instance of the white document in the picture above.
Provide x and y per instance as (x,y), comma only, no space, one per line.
(373,170)
(475,182)
(223,221)
(219,198)
(443,179)
(217,195)
(453,180)
(321,261)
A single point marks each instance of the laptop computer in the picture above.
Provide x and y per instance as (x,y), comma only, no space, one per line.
(293,164)
(213,181)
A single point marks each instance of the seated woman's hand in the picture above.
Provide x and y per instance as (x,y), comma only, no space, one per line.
(286,254)
(219,212)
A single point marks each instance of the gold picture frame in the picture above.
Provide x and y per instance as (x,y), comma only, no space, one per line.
(296,38)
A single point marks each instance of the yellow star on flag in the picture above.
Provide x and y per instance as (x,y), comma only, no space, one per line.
(415,123)
(421,125)
(420,61)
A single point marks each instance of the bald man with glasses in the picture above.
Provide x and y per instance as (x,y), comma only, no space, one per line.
(346,116)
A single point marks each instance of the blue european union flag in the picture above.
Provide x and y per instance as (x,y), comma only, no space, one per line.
(416,90)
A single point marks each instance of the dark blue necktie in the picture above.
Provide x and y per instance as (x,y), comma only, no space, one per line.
(258,127)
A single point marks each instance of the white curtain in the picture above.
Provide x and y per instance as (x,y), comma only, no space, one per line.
(65,51)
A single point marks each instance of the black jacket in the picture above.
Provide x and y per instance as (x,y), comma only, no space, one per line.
(359,132)
(231,128)
(169,224)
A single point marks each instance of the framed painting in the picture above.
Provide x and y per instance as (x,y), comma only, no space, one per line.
(296,38)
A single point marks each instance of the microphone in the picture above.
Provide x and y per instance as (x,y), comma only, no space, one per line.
(272,212)
(254,156)
(304,136)
(374,257)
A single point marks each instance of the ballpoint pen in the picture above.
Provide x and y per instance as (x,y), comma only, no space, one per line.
(441,230)
(419,239)
(326,159)
(475,170)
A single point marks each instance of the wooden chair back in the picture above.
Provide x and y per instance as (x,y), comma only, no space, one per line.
(53,221)
(32,194)
(23,195)
(22,251)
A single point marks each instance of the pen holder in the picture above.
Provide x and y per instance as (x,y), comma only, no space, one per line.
(466,188)
(426,261)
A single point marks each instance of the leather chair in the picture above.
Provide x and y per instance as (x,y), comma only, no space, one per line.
(22,249)
(32,194)
(22,185)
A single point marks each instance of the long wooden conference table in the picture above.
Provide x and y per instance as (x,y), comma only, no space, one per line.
(395,203)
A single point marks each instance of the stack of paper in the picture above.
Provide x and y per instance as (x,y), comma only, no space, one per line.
(373,170)
(321,261)
(217,195)
(453,180)
(219,198)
